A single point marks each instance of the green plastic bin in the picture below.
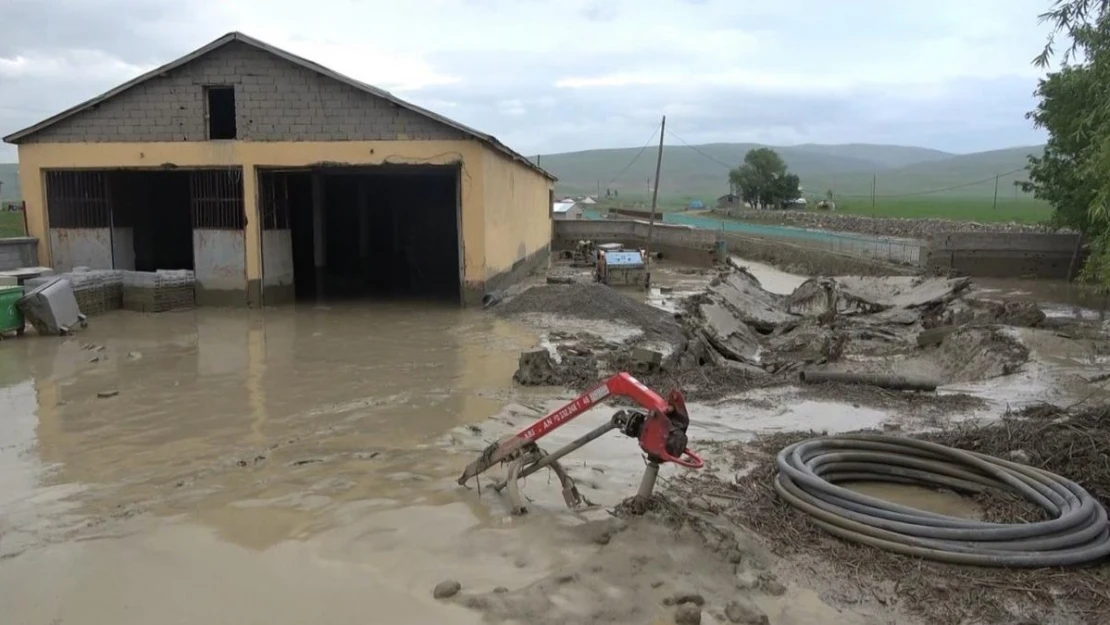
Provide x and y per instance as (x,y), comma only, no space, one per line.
(11,319)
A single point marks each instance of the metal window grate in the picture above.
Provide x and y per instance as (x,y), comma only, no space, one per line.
(216,196)
(78,199)
(274,188)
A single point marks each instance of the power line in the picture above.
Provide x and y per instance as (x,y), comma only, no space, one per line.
(941,190)
(708,156)
(634,158)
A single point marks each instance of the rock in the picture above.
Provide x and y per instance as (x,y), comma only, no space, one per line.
(134,355)
(566,578)
(687,614)
(536,367)
(603,538)
(745,613)
(747,580)
(107,394)
(680,598)
(446,589)
(1019,455)
(736,557)
(771,586)
(500,590)
(657,583)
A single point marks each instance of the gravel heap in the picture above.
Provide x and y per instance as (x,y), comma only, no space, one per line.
(881,226)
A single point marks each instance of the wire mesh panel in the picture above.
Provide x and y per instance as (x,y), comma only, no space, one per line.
(216,197)
(78,199)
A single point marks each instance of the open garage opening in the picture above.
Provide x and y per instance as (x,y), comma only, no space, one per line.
(343,232)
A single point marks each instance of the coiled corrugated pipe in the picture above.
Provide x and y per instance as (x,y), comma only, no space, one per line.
(809,471)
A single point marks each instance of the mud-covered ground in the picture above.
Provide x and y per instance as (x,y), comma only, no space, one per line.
(298,465)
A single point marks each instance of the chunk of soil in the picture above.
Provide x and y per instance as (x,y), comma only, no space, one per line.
(745,613)
(596,301)
(975,353)
(687,614)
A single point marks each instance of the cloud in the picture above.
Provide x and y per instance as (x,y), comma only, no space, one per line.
(547,75)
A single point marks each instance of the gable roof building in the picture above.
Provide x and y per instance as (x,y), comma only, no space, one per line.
(288,144)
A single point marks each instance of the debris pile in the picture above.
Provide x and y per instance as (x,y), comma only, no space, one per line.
(735,334)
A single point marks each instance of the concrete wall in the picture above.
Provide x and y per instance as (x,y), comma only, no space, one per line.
(16,252)
(679,243)
(81,247)
(1004,254)
(517,221)
(277,266)
(808,259)
(123,248)
(275,100)
(219,261)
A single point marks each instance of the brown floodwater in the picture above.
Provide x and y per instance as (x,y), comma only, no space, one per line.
(248,467)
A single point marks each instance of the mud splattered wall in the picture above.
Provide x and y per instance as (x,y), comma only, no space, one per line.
(219,242)
(80,219)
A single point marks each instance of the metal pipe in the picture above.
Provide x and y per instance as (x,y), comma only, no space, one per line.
(893,382)
(647,483)
(576,444)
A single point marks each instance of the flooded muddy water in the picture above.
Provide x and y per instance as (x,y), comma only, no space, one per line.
(927,499)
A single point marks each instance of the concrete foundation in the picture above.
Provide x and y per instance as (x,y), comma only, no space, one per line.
(219,258)
(81,247)
(474,291)
(277,267)
(17,252)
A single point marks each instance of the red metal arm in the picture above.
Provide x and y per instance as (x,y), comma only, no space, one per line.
(621,384)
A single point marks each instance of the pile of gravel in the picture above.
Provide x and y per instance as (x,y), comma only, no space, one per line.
(598,302)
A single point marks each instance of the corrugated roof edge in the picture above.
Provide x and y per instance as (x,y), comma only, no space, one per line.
(489,140)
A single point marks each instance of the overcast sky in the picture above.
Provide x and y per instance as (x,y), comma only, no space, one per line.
(560,75)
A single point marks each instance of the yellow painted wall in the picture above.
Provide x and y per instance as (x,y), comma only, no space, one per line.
(34,158)
(517,207)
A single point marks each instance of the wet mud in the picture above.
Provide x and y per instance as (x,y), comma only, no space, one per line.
(232,466)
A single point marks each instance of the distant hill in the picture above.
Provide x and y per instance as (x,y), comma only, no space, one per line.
(702,171)
(9,182)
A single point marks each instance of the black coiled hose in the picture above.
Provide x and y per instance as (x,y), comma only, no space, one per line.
(809,471)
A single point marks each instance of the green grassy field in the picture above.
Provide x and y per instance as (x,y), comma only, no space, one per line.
(960,209)
(11,224)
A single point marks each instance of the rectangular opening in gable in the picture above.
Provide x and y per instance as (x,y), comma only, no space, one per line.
(221,112)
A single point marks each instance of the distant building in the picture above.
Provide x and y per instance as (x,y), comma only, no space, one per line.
(730,200)
(567,209)
(588,200)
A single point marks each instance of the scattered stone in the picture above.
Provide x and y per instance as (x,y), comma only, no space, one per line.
(566,578)
(1019,455)
(646,360)
(446,589)
(747,580)
(771,586)
(745,613)
(107,394)
(687,614)
(500,590)
(680,598)
(94,360)
(603,538)
(134,355)
(736,557)
(520,563)
(657,583)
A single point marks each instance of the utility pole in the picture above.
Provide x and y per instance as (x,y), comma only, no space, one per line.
(599,189)
(654,202)
(995,191)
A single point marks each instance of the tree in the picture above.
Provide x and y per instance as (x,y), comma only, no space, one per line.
(1074,108)
(763,180)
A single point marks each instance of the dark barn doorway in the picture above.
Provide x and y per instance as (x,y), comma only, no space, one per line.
(381,231)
